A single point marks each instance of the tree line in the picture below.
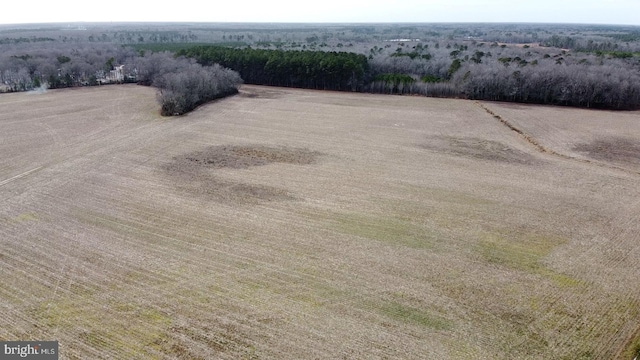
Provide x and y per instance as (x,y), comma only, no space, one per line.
(526,74)
(471,70)
(605,87)
(306,69)
(585,66)
(182,83)
(27,66)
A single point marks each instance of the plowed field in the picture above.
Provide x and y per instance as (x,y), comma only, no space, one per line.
(295,224)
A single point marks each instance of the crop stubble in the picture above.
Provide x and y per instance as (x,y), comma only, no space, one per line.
(300,224)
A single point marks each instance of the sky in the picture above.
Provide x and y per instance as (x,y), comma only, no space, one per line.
(624,12)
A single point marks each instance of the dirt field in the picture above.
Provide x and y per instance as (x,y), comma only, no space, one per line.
(609,138)
(293,224)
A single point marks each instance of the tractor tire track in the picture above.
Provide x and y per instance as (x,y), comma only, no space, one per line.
(5,182)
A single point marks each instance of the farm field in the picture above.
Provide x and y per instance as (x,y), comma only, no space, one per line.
(288,224)
(608,138)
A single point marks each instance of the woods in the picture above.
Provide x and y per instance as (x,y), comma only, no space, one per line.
(568,65)
(183,84)
(603,87)
(27,66)
(308,69)
(540,75)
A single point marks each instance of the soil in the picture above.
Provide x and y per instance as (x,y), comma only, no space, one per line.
(615,149)
(477,148)
(608,138)
(295,224)
(193,171)
(245,156)
(261,93)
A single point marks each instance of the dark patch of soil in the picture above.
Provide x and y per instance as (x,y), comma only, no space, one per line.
(479,149)
(191,171)
(242,157)
(615,149)
(260,93)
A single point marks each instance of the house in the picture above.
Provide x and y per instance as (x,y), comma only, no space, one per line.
(116,75)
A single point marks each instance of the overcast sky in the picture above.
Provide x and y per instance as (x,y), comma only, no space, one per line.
(548,11)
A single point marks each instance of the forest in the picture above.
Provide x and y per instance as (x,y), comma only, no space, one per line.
(326,70)
(591,66)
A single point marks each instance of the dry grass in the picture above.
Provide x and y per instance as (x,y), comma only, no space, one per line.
(300,224)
